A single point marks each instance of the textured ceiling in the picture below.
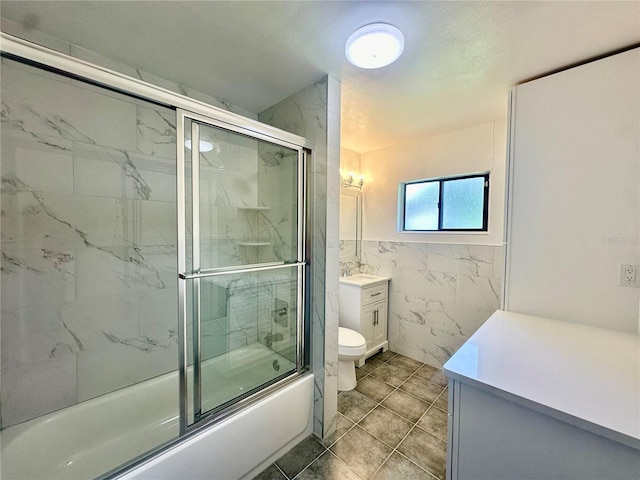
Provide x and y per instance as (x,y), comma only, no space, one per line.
(459,61)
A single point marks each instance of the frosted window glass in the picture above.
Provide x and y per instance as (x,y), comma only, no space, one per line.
(463,203)
(421,206)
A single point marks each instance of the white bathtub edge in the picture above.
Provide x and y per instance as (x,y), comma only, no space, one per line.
(241,446)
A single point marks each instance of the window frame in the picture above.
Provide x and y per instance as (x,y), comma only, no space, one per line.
(441,180)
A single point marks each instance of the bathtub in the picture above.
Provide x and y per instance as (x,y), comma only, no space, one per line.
(91,438)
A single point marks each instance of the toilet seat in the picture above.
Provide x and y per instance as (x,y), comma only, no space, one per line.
(350,342)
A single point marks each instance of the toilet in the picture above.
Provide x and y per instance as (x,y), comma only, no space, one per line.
(351,346)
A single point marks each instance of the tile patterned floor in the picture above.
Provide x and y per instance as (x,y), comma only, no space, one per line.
(393,426)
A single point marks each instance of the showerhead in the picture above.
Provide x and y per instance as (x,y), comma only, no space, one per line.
(271,159)
(274,157)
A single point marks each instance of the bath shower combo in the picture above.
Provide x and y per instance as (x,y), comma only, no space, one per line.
(155,278)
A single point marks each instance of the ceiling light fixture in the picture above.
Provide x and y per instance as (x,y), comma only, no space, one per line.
(374,46)
(204,145)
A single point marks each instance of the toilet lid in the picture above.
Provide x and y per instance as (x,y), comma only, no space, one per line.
(350,338)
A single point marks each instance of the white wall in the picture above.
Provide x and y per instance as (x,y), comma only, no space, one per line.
(349,161)
(475,149)
(575,208)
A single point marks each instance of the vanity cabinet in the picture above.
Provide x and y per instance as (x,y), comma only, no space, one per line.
(364,308)
(535,398)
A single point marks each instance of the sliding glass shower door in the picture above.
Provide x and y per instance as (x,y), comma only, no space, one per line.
(241,263)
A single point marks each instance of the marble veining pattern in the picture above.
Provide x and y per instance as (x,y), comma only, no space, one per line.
(439,294)
(314,114)
(88,233)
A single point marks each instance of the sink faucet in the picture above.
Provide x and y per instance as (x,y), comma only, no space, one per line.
(346,272)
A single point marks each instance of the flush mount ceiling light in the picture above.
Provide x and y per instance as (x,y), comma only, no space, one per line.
(374,46)
(204,145)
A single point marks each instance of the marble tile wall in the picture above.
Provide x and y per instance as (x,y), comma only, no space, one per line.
(88,237)
(347,251)
(314,114)
(89,241)
(278,192)
(439,294)
(124,173)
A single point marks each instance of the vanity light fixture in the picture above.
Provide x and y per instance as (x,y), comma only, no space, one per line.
(374,46)
(350,181)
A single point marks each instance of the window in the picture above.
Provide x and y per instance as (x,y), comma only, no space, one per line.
(445,204)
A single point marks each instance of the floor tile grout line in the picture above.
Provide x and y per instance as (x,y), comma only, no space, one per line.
(430,404)
(383,462)
(427,380)
(405,380)
(420,467)
(414,425)
(432,434)
(422,364)
(347,463)
(388,409)
(422,399)
(379,404)
(343,461)
(346,431)
(426,411)
(393,450)
(280,470)
(307,466)
(350,468)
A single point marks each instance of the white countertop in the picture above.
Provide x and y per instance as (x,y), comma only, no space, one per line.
(363,279)
(588,373)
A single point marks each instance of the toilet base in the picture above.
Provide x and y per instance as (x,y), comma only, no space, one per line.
(346,375)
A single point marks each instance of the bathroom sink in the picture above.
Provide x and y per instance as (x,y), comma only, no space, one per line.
(362,279)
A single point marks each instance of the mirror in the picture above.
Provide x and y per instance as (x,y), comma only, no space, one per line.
(350,225)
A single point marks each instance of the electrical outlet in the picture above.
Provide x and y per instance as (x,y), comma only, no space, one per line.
(629,275)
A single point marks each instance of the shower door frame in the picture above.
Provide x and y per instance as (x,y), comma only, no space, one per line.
(301,263)
(42,57)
